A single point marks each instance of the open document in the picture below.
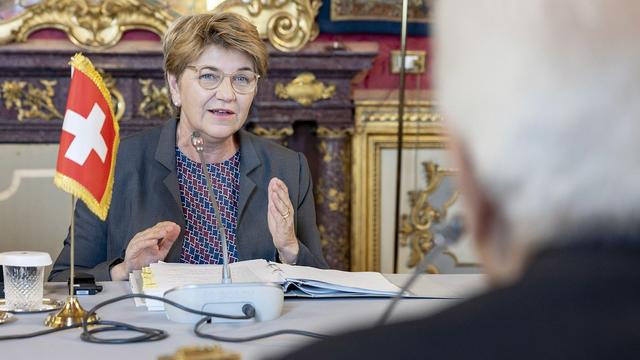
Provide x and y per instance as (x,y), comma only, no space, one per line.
(297,281)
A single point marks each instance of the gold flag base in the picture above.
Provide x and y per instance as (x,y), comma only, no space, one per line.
(70,314)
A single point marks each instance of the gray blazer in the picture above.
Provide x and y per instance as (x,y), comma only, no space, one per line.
(146,191)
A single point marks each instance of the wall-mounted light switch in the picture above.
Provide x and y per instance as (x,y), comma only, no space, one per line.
(414,61)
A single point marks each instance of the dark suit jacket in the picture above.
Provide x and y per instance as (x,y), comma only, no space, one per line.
(579,302)
(146,191)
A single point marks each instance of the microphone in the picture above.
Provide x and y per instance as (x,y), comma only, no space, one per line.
(262,300)
(198,143)
(445,235)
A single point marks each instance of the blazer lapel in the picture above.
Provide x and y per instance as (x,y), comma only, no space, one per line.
(249,161)
(166,156)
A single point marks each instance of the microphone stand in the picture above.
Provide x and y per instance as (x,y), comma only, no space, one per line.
(450,235)
(198,144)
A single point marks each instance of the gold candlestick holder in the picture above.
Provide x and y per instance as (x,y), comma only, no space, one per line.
(71,313)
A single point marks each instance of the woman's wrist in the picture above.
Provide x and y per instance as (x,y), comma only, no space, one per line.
(119,272)
(289,254)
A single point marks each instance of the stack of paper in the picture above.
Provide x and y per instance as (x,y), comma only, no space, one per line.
(297,281)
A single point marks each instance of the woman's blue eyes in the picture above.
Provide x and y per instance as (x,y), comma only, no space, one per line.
(241,78)
(210,76)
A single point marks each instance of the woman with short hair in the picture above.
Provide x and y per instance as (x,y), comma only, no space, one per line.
(160,209)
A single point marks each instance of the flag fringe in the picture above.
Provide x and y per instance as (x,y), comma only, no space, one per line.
(75,188)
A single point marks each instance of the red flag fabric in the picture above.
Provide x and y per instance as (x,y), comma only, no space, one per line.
(89,139)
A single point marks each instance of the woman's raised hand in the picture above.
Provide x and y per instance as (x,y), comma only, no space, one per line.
(280,218)
(146,247)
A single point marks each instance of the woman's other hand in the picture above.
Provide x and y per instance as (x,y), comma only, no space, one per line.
(280,218)
(146,247)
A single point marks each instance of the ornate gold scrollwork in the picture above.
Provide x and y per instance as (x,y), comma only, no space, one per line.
(155,102)
(32,102)
(337,200)
(273,133)
(333,133)
(288,24)
(201,353)
(387,111)
(118,100)
(415,228)
(88,24)
(305,89)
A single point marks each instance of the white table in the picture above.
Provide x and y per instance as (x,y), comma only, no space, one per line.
(327,316)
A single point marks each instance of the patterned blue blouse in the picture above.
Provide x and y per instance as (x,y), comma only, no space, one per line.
(202,243)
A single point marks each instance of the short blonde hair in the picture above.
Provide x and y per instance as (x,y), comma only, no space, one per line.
(188,36)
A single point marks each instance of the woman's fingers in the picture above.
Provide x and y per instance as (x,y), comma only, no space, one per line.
(152,244)
(279,196)
(172,232)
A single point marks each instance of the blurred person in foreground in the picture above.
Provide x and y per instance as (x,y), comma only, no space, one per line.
(161,209)
(543,102)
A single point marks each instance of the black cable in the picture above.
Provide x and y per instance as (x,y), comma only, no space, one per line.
(90,329)
(38,333)
(147,334)
(205,320)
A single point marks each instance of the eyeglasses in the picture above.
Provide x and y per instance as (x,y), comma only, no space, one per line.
(242,81)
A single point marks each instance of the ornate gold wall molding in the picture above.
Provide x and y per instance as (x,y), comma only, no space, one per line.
(99,24)
(288,24)
(305,89)
(415,228)
(376,131)
(88,24)
(273,133)
(30,101)
(155,100)
(369,111)
(333,133)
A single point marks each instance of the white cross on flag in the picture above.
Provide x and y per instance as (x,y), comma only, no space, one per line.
(89,139)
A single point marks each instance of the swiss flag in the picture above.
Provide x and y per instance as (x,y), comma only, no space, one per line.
(89,139)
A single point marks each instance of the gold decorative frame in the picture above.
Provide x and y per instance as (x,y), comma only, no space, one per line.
(377,10)
(305,89)
(376,129)
(288,24)
(99,24)
(88,24)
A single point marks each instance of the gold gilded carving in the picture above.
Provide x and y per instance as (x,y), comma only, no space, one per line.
(273,133)
(88,23)
(118,100)
(305,89)
(432,269)
(387,111)
(30,101)
(335,199)
(155,102)
(288,24)
(201,353)
(376,131)
(415,228)
(333,133)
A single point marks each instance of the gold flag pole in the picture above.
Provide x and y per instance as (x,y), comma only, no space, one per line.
(72,312)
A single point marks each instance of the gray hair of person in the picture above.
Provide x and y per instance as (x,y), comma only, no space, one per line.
(544,95)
